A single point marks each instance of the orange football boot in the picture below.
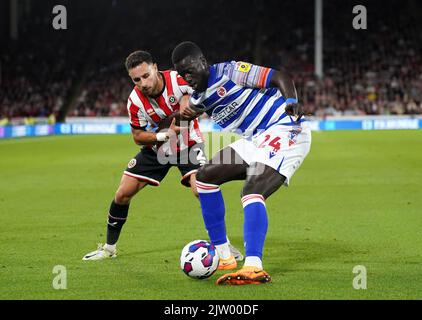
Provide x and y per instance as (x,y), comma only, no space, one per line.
(246,275)
(227,264)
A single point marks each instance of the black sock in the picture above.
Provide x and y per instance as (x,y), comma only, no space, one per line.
(116,219)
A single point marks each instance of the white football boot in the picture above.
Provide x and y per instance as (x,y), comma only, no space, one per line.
(101,253)
(236,253)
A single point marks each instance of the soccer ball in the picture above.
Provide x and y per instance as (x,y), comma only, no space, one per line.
(199,259)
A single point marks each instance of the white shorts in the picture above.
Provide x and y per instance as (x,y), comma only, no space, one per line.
(282,148)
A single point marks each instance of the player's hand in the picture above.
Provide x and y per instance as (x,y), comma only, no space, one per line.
(174,129)
(187,113)
(295,110)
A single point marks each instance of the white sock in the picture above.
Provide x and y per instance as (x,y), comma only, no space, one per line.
(253,261)
(110,247)
(223,250)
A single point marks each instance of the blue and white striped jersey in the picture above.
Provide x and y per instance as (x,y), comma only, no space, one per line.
(239,99)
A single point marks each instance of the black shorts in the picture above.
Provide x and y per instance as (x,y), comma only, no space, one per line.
(149,167)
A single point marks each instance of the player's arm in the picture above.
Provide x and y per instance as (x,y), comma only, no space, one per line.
(284,82)
(188,111)
(254,76)
(138,123)
(143,137)
(164,132)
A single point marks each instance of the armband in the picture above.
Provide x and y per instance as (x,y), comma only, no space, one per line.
(291,101)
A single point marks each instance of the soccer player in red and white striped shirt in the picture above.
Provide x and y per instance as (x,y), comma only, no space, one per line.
(155,99)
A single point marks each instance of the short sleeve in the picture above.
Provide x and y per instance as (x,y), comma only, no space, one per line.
(249,75)
(136,118)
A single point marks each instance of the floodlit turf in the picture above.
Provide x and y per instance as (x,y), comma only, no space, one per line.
(357,200)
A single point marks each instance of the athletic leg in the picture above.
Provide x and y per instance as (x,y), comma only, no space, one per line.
(119,207)
(192,180)
(260,183)
(190,169)
(142,170)
(273,159)
(257,188)
(225,166)
(222,168)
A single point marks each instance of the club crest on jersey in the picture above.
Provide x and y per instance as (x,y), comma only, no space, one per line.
(243,66)
(131,163)
(221,92)
(172,100)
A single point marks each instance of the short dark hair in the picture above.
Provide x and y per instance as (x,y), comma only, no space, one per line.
(138,57)
(184,49)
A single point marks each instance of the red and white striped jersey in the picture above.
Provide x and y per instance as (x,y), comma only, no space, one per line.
(143,110)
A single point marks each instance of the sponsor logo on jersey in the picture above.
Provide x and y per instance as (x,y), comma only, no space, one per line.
(243,66)
(222,114)
(172,100)
(221,92)
(293,135)
(131,163)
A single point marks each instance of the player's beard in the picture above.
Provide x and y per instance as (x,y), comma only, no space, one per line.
(152,91)
(147,91)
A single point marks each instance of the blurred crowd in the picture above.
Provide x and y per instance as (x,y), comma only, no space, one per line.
(39,70)
(366,72)
(373,71)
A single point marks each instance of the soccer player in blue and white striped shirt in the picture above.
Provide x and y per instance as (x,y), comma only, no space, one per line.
(260,104)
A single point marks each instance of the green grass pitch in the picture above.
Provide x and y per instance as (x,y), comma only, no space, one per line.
(356,200)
